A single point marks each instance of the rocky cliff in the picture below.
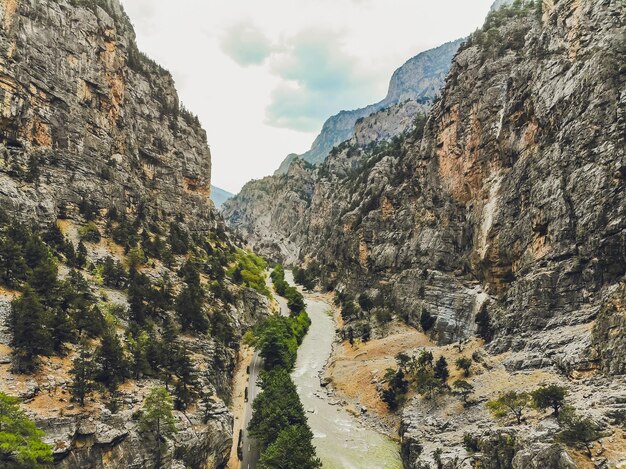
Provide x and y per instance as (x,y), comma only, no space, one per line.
(418,80)
(92,133)
(509,204)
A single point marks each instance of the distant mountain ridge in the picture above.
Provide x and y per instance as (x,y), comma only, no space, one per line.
(419,79)
(219,196)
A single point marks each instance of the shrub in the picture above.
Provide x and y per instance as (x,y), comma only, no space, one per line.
(465,364)
(509,403)
(551,396)
(90,233)
(576,430)
(426,320)
(21,442)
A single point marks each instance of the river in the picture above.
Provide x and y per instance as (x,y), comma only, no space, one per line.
(341,441)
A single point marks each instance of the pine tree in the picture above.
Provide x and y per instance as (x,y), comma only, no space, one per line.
(190,310)
(292,449)
(13,268)
(552,396)
(157,420)
(441,370)
(138,349)
(62,329)
(187,379)
(111,364)
(30,329)
(83,371)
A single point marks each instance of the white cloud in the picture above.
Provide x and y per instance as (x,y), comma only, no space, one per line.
(246,44)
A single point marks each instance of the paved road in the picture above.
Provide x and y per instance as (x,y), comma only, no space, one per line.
(251,451)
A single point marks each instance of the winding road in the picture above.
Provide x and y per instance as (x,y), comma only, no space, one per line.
(250,448)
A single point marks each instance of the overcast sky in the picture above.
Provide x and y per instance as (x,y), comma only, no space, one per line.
(263,76)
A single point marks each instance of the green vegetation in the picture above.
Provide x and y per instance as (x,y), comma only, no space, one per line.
(463,389)
(157,420)
(278,420)
(249,270)
(279,424)
(577,431)
(20,439)
(90,233)
(551,396)
(491,37)
(295,300)
(83,372)
(511,403)
(419,373)
(307,277)
(465,364)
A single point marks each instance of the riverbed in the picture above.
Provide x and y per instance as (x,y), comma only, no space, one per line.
(341,441)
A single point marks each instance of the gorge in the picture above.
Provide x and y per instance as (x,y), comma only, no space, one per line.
(460,245)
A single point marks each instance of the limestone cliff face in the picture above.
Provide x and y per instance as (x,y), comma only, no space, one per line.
(418,80)
(86,118)
(512,201)
(97,116)
(269,213)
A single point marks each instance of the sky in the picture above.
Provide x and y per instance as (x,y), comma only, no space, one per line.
(263,76)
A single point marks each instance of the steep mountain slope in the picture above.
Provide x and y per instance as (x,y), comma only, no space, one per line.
(504,215)
(98,156)
(418,80)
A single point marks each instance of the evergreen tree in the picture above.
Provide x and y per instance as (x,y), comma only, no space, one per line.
(463,389)
(510,403)
(113,273)
(276,408)
(190,310)
(21,444)
(138,350)
(187,379)
(81,255)
(83,371)
(13,268)
(441,370)
(111,363)
(43,278)
(576,430)
(552,396)
(62,329)
(157,420)
(291,450)
(138,296)
(30,329)
(465,364)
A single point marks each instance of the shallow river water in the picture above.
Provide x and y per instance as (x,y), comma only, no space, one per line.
(341,441)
